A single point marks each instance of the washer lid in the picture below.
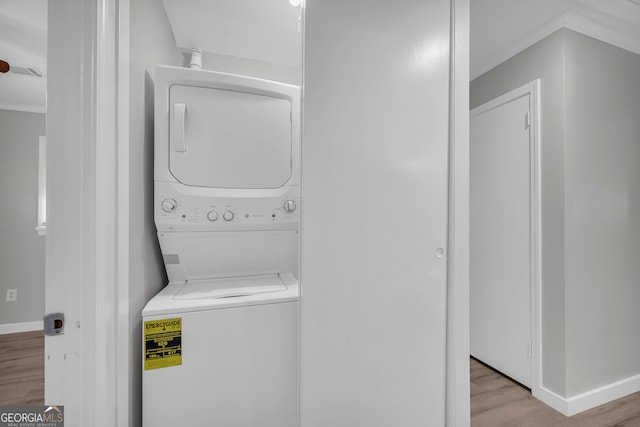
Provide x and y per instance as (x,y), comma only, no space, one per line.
(230,287)
(166,303)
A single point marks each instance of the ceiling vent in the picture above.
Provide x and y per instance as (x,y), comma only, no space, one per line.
(26,71)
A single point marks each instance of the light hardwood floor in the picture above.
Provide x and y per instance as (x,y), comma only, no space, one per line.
(22,368)
(498,401)
(495,400)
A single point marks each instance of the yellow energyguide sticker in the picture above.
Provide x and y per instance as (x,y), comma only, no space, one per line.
(162,343)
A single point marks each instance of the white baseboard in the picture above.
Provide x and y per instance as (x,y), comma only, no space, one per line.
(591,399)
(13,328)
(548,397)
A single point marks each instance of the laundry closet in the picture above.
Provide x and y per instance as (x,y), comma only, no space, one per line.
(305,226)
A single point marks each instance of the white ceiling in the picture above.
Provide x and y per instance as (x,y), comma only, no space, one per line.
(267,30)
(23,43)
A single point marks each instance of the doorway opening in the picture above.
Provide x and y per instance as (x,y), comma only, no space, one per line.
(23,85)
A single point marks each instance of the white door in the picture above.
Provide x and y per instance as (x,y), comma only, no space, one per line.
(374,213)
(500,270)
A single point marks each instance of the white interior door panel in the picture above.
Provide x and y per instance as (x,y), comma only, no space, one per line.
(500,270)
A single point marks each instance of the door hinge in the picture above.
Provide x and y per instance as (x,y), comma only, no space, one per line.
(527,120)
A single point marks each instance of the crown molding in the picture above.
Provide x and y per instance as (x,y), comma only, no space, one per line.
(594,24)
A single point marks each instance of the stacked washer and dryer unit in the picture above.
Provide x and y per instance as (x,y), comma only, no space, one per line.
(226,203)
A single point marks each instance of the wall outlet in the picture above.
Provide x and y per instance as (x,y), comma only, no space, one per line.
(12,295)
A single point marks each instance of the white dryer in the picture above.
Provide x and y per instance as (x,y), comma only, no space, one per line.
(221,340)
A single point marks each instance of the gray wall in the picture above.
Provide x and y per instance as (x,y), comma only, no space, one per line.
(602,213)
(543,60)
(590,160)
(21,249)
(152,43)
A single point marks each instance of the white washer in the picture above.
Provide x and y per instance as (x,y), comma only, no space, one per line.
(239,355)
(221,340)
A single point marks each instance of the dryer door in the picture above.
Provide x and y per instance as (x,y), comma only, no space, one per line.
(229,139)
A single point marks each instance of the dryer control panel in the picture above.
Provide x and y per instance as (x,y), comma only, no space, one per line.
(180,212)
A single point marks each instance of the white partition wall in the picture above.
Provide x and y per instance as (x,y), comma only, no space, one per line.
(374,213)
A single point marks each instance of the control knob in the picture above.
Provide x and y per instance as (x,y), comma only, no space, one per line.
(289,206)
(212,216)
(169,205)
(228,216)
